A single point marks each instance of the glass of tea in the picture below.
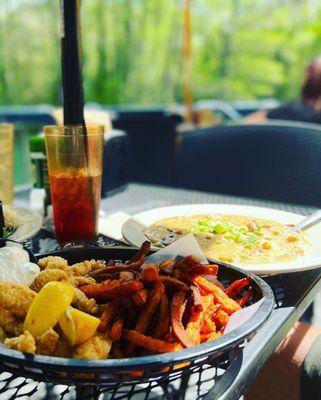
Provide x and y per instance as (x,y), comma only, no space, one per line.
(6,164)
(74,155)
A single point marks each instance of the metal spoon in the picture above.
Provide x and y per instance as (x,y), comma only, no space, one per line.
(308,222)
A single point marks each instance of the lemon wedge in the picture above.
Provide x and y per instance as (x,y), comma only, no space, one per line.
(48,307)
(78,326)
(68,326)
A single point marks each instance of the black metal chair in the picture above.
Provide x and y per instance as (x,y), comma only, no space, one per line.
(277,161)
(152,136)
(116,161)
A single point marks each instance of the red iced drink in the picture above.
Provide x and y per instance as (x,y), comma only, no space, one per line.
(75,199)
(75,164)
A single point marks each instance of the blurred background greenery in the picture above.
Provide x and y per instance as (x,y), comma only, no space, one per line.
(242,49)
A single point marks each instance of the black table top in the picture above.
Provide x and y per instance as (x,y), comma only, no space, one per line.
(293,292)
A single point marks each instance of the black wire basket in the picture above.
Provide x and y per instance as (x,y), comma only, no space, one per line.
(123,378)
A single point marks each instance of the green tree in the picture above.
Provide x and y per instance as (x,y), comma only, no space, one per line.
(132,49)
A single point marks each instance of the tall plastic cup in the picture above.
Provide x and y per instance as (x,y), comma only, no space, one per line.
(74,155)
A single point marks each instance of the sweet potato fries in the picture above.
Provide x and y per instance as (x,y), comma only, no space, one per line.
(149,308)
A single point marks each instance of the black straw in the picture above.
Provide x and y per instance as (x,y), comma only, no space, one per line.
(71,65)
(71,68)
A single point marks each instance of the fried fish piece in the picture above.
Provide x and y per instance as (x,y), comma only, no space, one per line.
(63,348)
(46,276)
(10,323)
(53,262)
(95,348)
(25,343)
(83,303)
(62,267)
(81,280)
(85,267)
(3,335)
(47,343)
(16,298)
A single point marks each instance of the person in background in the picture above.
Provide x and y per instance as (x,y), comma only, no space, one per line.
(305,109)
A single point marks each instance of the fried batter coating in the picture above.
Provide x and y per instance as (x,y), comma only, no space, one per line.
(84,304)
(9,323)
(16,298)
(46,276)
(3,335)
(81,280)
(47,343)
(25,343)
(85,267)
(63,349)
(96,348)
(62,267)
(53,262)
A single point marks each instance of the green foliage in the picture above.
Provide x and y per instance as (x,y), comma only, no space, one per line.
(132,50)
(6,232)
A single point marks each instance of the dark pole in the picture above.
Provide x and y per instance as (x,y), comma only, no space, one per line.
(71,66)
